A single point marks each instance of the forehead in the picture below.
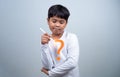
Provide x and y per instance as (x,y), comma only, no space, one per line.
(57,18)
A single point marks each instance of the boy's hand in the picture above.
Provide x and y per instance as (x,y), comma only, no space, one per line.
(45,38)
(45,70)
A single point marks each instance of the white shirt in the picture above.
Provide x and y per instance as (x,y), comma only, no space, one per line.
(67,66)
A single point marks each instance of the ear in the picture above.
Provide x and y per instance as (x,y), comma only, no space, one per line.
(48,20)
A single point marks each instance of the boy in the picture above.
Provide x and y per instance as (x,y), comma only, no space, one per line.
(67,63)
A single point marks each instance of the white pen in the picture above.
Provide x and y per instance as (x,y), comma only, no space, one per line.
(42,30)
(45,32)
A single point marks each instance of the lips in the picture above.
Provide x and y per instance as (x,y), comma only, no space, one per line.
(56,28)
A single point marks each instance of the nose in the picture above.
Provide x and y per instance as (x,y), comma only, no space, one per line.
(57,24)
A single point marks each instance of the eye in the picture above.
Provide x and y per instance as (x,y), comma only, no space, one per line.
(54,21)
(62,22)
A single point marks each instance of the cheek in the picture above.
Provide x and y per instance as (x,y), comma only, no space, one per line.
(64,26)
(51,24)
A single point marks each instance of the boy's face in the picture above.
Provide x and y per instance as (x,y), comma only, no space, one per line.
(57,25)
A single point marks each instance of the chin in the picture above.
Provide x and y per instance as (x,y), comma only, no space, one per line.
(57,32)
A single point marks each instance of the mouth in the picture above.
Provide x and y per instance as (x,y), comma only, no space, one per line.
(56,29)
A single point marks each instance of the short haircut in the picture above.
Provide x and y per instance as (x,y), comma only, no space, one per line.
(59,11)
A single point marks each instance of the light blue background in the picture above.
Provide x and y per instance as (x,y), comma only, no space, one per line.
(96,23)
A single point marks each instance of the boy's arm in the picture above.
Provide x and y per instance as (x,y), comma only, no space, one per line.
(45,52)
(45,57)
(72,59)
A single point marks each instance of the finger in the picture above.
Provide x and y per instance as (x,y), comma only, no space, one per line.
(47,37)
(46,34)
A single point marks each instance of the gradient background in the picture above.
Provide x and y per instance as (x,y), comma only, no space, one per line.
(96,23)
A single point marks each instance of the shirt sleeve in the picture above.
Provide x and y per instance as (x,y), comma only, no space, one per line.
(72,58)
(46,57)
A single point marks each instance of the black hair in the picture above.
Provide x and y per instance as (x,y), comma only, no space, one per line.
(59,11)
